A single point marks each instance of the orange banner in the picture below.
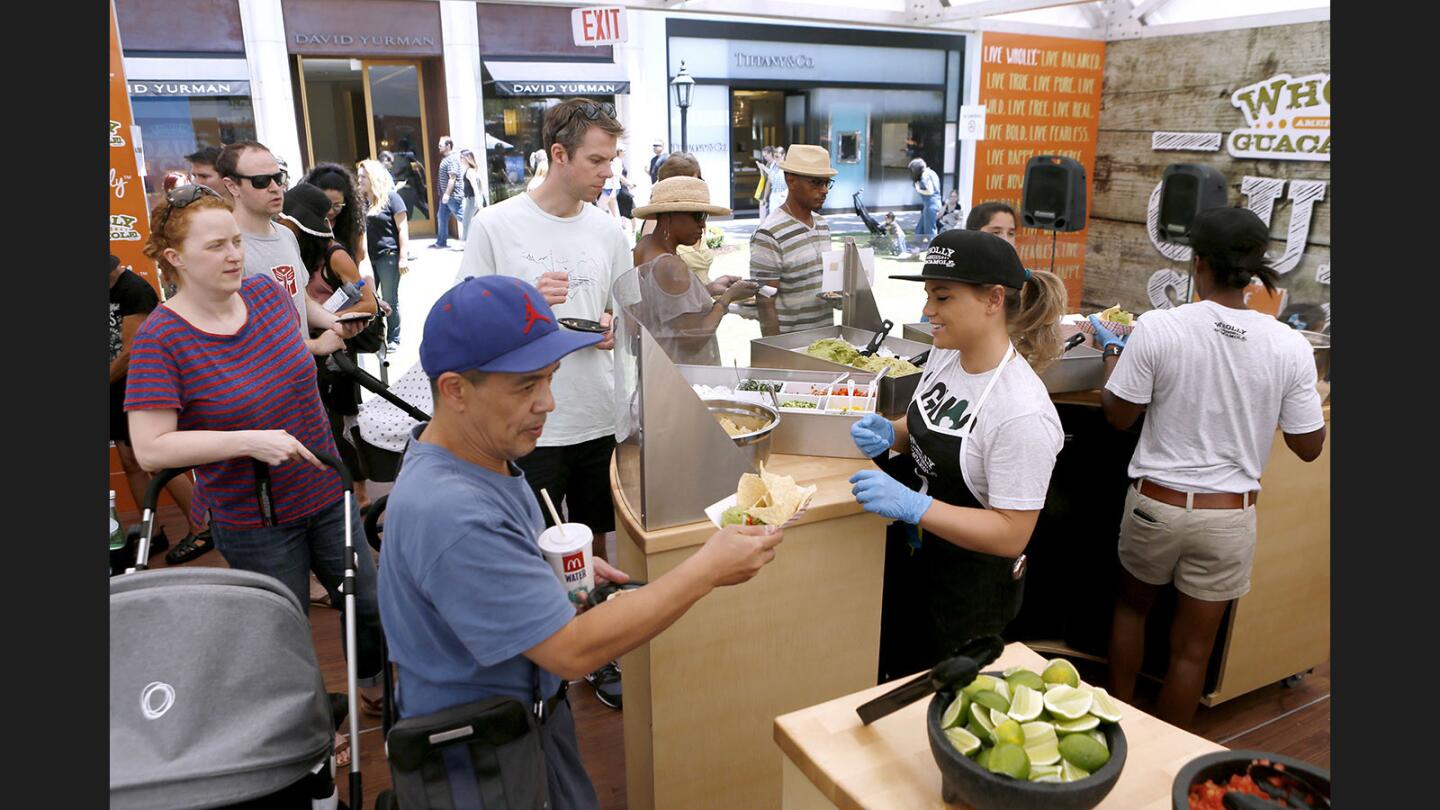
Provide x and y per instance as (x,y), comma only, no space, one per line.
(1042,96)
(129,220)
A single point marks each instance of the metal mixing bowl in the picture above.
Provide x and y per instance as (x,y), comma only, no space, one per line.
(1321,344)
(758,420)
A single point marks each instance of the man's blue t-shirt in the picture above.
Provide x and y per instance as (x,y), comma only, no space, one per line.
(463,587)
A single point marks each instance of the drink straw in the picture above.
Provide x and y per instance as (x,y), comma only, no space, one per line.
(549,504)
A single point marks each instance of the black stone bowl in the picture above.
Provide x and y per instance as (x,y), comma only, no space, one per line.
(965,782)
(1221,765)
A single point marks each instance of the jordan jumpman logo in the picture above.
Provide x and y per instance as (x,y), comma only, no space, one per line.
(531,315)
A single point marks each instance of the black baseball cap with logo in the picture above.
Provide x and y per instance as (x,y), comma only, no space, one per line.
(974,257)
(1228,231)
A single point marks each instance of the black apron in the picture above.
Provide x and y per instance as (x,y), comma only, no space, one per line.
(967,593)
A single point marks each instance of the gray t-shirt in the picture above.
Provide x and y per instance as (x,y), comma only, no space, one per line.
(465,591)
(277,257)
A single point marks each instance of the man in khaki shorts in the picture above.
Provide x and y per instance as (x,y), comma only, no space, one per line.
(1214,379)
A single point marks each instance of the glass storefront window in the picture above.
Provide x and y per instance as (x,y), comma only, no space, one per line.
(172,127)
(514,132)
(872,137)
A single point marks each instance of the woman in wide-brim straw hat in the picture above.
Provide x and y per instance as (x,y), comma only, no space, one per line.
(681,312)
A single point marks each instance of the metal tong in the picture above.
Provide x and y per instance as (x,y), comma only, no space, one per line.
(874,344)
(950,675)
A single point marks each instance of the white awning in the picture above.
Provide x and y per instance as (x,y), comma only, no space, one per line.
(558,78)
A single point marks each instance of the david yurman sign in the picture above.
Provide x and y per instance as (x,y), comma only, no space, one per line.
(191,88)
(796,61)
(561,88)
(375,40)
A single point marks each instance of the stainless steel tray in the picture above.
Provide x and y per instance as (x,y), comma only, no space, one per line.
(798,433)
(786,351)
(1080,369)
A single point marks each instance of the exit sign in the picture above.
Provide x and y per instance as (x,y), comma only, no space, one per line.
(602,25)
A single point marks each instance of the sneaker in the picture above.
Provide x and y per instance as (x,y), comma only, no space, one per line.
(436,246)
(606,681)
(392,347)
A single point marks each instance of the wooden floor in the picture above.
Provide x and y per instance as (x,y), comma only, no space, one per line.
(1290,721)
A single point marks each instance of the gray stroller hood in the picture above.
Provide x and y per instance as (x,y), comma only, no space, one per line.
(215,693)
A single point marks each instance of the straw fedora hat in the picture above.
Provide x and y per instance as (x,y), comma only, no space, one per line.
(680,194)
(809,161)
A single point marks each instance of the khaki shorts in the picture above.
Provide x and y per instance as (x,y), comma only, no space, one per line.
(1207,553)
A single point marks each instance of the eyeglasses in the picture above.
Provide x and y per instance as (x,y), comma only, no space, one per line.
(337,207)
(263,181)
(700,216)
(820,182)
(181,197)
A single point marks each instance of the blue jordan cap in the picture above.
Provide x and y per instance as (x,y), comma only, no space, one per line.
(495,323)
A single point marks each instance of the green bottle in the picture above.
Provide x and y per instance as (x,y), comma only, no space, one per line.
(117,532)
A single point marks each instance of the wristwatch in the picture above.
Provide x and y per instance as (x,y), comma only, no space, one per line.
(1111,350)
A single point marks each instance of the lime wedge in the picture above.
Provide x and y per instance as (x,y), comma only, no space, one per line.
(982,757)
(1012,670)
(1070,773)
(980,684)
(1010,760)
(1008,731)
(1041,743)
(1083,752)
(1050,686)
(964,742)
(1099,736)
(1002,689)
(1024,677)
(1058,670)
(955,712)
(1044,773)
(1026,704)
(991,700)
(1104,706)
(981,716)
(1067,702)
(1085,723)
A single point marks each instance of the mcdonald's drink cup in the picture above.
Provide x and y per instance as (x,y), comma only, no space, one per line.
(568,549)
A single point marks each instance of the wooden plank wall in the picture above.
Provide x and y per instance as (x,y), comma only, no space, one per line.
(1183,84)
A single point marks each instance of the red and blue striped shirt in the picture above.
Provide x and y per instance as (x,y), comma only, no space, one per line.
(260,378)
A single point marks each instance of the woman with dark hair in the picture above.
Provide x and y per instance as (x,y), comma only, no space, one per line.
(346,215)
(983,435)
(993,217)
(1213,379)
(927,185)
(329,266)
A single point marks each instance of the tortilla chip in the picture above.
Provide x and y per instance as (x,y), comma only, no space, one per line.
(771,515)
(751,491)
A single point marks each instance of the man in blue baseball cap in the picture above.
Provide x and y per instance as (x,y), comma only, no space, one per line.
(470,607)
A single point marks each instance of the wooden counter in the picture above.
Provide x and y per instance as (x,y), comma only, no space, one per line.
(830,760)
(700,698)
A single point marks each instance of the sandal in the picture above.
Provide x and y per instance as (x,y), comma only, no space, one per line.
(318,594)
(342,751)
(372,708)
(189,548)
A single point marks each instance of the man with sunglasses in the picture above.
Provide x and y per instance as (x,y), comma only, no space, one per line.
(554,238)
(257,184)
(785,251)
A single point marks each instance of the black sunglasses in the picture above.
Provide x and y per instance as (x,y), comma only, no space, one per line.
(263,181)
(180,197)
(592,111)
(819,182)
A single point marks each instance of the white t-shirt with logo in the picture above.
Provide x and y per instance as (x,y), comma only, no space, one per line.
(516,238)
(1216,381)
(1017,435)
(277,257)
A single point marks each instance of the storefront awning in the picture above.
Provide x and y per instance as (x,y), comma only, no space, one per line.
(558,78)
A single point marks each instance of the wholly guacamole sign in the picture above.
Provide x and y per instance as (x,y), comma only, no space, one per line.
(1287,118)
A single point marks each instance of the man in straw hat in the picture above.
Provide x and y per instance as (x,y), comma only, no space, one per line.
(470,606)
(785,250)
(680,310)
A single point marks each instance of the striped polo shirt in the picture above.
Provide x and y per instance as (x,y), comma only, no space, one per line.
(260,378)
(785,251)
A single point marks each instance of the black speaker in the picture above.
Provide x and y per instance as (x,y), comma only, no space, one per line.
(1186,189)
(1053,198)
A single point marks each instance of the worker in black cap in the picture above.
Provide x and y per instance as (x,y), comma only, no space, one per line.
(1213,379)
(982,433)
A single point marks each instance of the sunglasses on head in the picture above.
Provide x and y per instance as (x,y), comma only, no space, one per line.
(593,111)
(180,197)
(263,181)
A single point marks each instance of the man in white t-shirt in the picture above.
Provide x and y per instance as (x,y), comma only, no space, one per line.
(1214,379)
(553,238)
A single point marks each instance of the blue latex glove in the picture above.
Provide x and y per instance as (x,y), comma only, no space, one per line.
(1104,336)
(884,496)
(873,434)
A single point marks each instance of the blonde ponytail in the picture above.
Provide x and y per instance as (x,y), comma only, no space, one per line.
(1032,316)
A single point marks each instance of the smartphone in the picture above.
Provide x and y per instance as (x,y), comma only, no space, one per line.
(349,317)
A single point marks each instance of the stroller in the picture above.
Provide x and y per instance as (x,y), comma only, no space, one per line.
(385,425)
(217,713)
(880,241)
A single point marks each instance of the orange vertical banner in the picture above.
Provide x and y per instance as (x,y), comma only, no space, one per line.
(129,219)
(1042,97)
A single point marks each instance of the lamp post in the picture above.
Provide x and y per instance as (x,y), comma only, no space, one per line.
(683,85)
